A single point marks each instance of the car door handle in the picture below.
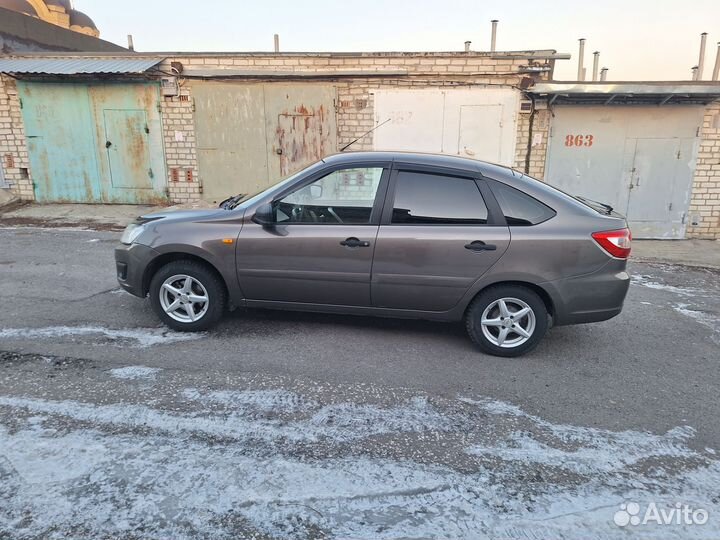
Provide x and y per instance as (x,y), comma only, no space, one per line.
(479,245)
(353,242)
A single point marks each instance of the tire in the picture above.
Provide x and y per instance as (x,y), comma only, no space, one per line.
(203,283)
(488,338)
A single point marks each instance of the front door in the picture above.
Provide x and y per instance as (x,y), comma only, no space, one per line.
(660,180)
(436,239)
(320,250)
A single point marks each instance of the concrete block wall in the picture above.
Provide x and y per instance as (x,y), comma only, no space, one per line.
(704,212)
(13,145)
(183,178)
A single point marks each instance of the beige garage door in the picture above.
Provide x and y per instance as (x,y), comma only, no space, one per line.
(250,136)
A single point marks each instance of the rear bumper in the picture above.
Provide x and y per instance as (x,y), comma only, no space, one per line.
(592,297)
(130,265)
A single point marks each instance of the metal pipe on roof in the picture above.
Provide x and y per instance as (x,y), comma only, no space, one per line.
(603,74)
(277,42)
(493,38)
(701,60)
(596,65)
(716,71)
(467,46)
(694,73)
(581,56)
(131,44)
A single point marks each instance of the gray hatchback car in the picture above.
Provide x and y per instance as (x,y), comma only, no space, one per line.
(390,234)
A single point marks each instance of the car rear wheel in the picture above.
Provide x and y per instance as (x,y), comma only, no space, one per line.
(187,296)
(507,320)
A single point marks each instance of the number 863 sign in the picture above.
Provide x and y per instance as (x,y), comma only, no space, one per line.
(579,140)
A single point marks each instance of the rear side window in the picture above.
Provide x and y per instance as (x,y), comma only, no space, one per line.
(520,209)
(434,199)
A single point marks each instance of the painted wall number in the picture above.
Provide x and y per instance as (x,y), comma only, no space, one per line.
(579,140)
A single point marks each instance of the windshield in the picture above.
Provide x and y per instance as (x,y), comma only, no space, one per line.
(237,200)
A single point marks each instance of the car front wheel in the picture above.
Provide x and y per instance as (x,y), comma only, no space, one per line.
(187,296)
(507,320)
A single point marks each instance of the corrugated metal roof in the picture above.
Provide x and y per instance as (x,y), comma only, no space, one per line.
(76,66)
(627,93)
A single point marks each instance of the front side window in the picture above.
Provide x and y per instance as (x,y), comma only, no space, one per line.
(519,208)
(346,196)
(435,199)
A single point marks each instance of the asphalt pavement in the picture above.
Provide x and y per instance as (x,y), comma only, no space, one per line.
(292,425)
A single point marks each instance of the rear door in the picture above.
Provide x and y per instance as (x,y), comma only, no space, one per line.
(438,236)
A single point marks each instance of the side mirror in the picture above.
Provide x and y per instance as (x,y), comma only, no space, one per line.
(316,191)
(264,215)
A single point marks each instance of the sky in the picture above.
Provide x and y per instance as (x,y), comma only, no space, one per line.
(637,39)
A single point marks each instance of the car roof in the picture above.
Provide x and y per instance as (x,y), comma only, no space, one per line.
(420,158)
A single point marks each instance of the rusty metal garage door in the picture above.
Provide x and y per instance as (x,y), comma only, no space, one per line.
(640,160)
(249,136)
(94,143)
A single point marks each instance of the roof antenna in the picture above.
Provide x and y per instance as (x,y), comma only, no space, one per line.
(363,135)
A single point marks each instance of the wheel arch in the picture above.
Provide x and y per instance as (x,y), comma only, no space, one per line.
(540,291)
(165,258)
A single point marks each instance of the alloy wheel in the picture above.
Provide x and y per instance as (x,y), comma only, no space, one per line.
(184,298)
(508,322)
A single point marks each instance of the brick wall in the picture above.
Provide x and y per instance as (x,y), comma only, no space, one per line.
(355,100)
(355,107)
(180,148)
(704,213)
(538,142)
(13,149)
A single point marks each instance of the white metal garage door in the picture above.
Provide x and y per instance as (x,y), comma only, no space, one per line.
(479,123)
(640,160)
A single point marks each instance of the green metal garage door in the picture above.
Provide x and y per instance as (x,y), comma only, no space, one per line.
(94,143)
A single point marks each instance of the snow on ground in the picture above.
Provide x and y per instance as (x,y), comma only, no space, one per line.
(277,464)
(136,337)
(135,372)
(697,303)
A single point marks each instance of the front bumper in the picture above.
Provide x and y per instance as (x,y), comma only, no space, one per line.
(130,265)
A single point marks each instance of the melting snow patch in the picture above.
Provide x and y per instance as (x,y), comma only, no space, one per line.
(165,480)
(143,337)
(706,319)
(135,372)
(646,281)
(260,400)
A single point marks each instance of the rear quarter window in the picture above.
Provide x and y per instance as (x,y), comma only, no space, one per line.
(519,208)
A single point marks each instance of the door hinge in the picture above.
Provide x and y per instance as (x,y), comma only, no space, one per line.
(159,107)
(679,154)
(670,207)
(21,103)
(684,217)
(151,174)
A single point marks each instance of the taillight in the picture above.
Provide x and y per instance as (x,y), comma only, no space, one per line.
(616,243)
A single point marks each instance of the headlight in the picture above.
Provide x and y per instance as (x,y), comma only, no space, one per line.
(131,233)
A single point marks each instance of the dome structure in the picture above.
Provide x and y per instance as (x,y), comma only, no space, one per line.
(82,23)
(21,6)
(57,12)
